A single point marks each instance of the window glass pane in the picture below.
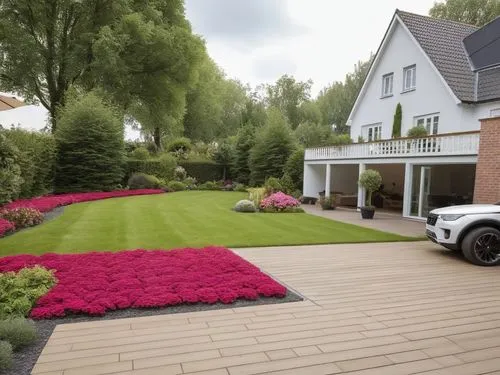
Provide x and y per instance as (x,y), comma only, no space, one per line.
(370,134)
(391,80)
(379,132)
(428,125)
(414,77)
(420,122)
(435,125)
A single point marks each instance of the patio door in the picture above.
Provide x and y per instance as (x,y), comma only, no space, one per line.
(421,190)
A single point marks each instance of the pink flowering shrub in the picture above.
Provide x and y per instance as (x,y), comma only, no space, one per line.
(279,202)
(22,217)
(93,283)
(49,202)
(6,227)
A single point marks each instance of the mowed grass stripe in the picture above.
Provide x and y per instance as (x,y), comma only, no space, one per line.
(187,219)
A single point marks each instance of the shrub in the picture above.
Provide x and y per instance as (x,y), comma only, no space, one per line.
(396,125)
(371,181)
(10,172)
(22,217)
(245,206)
(140,153)
(328,203)
(18,332)
(176,186)
(417,131)
(277,202)
(240,187)
(272,185)
(203,171)
(244,143)
(287,185)
(361,139)
(19,291)
(37,160)
(180,173)
(190,183)
(5,355)
(256,195)
(294,167)
(340,139)
(6,227)
(273,146)
(143,181)
(91,148)
(209,185)
(180,146)
(162,167)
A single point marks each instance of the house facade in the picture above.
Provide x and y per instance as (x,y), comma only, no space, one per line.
(443,75)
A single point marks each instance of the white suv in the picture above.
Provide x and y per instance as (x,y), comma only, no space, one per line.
(474,229)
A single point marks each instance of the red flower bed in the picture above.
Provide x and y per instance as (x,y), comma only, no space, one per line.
(49,202)
(6,227)
(94,283)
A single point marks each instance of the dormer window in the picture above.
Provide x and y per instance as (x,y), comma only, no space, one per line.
(409,78)
(387,84)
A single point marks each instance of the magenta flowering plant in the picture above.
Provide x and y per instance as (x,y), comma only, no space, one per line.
(6,227)
(50,202)
(279,201)
(97,282)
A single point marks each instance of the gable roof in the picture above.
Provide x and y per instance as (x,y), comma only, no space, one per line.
(442,41)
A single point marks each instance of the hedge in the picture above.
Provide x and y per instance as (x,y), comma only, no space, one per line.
(203,171)
(37,160)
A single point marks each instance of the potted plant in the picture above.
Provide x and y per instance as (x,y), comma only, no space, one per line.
(329,203)
(371,181)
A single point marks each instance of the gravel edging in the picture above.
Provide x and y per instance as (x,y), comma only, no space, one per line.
(25,359)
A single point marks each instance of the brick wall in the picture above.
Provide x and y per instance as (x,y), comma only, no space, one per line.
(487,187)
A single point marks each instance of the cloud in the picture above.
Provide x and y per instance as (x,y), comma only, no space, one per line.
(271,67)
(242,21)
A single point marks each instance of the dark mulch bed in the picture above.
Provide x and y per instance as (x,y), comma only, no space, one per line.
(24,360)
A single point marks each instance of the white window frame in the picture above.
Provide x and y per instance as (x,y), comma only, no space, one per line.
(430,122)
(409,78)
(387,85)
(372,132)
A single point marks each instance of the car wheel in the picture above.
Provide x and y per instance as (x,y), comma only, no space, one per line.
(481,246)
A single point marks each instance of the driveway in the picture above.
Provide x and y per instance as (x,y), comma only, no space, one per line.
(388,309)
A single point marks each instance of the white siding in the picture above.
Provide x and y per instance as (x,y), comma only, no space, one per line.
(430,96)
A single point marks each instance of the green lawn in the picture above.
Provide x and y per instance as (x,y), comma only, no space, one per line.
(168,221)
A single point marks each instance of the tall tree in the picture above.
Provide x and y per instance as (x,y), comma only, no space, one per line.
(472,12)
(396,125)
(137,48)
(244,143)
(288,95)
(273,145)
(336,101)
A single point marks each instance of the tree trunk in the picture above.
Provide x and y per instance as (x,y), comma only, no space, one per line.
(157,138)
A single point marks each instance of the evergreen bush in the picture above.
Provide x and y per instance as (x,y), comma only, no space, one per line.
(10,172)
(5,355)
(396,125)
(90,146)
(18,332)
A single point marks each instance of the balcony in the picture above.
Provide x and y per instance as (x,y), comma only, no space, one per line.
(452,144)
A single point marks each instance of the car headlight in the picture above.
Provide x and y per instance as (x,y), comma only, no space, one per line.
(450,217)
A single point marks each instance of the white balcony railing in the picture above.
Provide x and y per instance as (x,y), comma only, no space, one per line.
(436,145)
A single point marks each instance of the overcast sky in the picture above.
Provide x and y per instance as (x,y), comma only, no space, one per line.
(257,41)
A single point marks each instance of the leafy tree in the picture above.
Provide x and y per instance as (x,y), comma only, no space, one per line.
(273,146)
(472,12)
(244,143)
(143,52)
(312,134)
(396,125)
(337,100)
(310,111)
(294,167)
(225,156)
(91,147)
(255,110)
(288,95)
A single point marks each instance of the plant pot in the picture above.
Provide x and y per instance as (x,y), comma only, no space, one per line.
(367,212)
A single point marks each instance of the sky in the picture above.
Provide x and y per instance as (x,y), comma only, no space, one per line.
(257,41)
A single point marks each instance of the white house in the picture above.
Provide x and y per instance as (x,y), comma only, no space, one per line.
(446,76)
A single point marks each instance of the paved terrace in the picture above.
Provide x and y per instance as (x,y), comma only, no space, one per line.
(385,309)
